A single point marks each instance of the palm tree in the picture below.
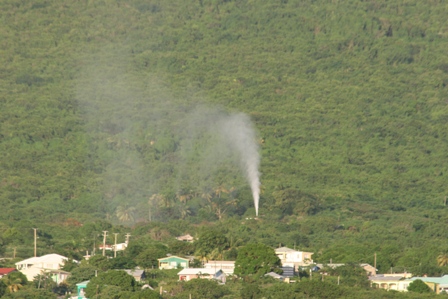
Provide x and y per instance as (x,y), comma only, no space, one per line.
(220,189)
(161,200)
(442,259)
(216,254)
(206,194)
(202,256)
(221,208)
(125,213)
(184,195)
(184,211)
(13,282)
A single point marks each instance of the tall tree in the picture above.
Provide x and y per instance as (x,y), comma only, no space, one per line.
(117,278)
(257,259)
(442,259)
(14,281)
(209,240)
(418,286)
(125,213)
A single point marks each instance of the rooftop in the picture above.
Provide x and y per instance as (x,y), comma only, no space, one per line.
(4,271)
(48,258)
(196,271)
(439,280)
(284,249)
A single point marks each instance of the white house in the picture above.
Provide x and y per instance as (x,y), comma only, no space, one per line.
(138,275)
(370,270)
(396,283)
(204,273)
(39,265)
(119,246)
(185,238)
(226,266)
(293,258)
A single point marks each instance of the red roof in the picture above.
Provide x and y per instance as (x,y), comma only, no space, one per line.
(4,271)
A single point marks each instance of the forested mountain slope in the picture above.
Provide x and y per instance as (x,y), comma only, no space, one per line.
(99,101)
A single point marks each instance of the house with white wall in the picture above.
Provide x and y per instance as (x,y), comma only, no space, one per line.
(202,273)
(226,266)
(293,258)
(39,265)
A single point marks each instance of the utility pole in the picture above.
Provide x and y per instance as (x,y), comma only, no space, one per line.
(374,261)
(14,254)
(35,242)
(127,238)
(104,242)
(115,246)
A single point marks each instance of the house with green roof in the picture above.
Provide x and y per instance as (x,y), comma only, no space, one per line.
(173,262)
(400,283)
(437,284)
(80,288)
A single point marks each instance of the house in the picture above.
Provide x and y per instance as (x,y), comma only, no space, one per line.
(437,284)
(293,258)
(204,273)
(6,271)
(275,275)
(226,266)
(370,270)
(390,282)
(39,265)
(173,262)
(185,238)
(58,276)
(138,275)
(81,287)
(106,247)
(119,246)
(401,282)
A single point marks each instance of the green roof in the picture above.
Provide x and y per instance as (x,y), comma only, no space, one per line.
(439,280)
(173,257)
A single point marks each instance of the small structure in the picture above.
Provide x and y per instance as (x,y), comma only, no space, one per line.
(204,273)
(227,267)
(275,275)
(293,258)
(185,238)
(58,276)
(288,271)
(120,246)
(81,289)
(173,262)
(138,275)
(6,271)
(87,256)
(106,247)
(370,270)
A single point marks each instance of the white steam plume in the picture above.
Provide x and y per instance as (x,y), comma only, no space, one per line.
(231,138)
(240,135)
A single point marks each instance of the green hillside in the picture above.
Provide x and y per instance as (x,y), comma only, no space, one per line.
(106,106)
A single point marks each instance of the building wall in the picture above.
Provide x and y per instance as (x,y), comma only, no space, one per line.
(173,263)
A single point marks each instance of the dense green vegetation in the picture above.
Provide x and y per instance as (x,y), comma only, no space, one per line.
(107,122)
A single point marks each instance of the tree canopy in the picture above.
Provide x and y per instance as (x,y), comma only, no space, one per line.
(108,282)
(418,286)
(257,259)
